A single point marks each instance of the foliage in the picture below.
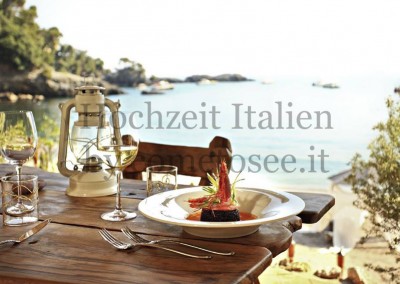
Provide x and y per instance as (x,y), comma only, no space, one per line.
(391,273)
(75,61)
(48,142)
(47,72)
(48,135)
(25,46)
(131,74)
(376,181)
(20,36)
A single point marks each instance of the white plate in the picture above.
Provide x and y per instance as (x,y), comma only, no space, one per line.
(172,207)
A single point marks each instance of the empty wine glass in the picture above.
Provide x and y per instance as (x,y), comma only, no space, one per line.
(117,156)
(18,141)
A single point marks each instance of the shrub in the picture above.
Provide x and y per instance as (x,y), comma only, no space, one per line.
(376,181)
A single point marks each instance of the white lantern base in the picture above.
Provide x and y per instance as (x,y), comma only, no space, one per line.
(92,184)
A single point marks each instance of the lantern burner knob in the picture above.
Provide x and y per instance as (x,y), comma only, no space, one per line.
(92,164)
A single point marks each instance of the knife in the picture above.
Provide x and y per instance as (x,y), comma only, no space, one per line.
(28,234)
(34,230)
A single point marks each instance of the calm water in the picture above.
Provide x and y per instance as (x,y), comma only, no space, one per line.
(345,123)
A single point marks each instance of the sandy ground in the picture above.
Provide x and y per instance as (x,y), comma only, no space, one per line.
(314,249)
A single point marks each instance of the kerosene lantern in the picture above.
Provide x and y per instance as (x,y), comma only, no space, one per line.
(87,178)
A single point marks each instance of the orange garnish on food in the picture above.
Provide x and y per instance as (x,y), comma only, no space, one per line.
(221,193)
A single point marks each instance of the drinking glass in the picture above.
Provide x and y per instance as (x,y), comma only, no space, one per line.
(29,193)
(117,156)
(161,178)
(18,142)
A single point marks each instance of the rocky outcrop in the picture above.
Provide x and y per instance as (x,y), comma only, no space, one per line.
(197,78)
(58,84)
(11,97)
(219,78)
(126,77)
(154,79)
(230,78)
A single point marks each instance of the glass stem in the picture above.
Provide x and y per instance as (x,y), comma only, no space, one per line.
(18,168)
(118,196)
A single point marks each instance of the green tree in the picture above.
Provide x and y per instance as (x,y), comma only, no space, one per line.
(376,181)
(11,7)
(68,59)
(51,44)
(48,133)
(64,57)
(131,74)
(23,45)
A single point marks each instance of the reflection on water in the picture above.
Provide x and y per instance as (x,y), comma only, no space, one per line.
(358,104)
(49,107)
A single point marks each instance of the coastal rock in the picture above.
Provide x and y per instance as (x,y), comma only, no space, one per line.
(8,96)
(219,78)
(198,78)
(38,98)
(11,97)
(230,78)
(59,84)
(154,79)
(25,97)
(126,77)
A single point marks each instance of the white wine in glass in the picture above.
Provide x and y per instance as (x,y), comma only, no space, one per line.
(117,156)
(18,142)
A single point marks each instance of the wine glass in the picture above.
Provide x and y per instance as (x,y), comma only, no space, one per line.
(117,156)
(18,142)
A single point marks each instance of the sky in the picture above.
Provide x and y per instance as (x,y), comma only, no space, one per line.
(263,39)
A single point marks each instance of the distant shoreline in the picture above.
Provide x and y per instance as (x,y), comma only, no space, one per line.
(37,85)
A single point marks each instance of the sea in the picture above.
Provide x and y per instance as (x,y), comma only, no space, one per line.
(285,133)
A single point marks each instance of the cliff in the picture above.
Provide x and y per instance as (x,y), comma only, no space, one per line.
(219,78)
(56,84)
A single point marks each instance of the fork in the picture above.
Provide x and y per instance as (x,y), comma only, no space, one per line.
(123,246)
(135,237)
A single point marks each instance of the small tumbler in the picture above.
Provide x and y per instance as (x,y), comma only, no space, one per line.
(161,178)
(20,192)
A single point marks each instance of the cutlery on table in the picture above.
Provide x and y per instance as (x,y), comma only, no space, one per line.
(29,233)
(123,246)
(135,237)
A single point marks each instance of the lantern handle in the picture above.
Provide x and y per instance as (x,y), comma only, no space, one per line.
(114,107)
(63,141)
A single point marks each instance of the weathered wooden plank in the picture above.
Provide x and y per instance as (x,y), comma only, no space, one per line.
(72,254)
(316,204)
(75,254)
(86,212)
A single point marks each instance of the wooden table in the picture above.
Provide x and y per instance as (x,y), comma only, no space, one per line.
(70,250)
